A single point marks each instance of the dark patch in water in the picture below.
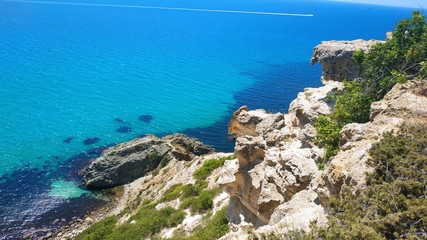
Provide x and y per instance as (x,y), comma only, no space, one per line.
(141,135)
(71,169)
(215,135)
(124,129)
(276,85)
(89,141)
(68,140)
(121,121)
(145,118)
(56,157)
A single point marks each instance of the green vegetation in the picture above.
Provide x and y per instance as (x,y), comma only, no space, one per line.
(201,202)
(209,166)
(394,205)
(212,228)
(99,229)
(395,61)
(147,221)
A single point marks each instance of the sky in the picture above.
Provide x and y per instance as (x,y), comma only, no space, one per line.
(416,4)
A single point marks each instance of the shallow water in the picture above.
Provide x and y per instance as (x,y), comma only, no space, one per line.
(75,78)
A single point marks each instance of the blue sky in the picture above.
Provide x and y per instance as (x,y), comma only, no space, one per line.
(417,4)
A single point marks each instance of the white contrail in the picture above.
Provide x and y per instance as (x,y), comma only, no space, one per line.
(164,8)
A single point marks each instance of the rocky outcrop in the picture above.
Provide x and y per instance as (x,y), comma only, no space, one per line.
(276,162)
(128,161)
(275,185)
(336,58)
(405,103)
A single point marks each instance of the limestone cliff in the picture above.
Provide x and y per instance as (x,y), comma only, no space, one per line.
(269,181)
(275,185)
(335,57)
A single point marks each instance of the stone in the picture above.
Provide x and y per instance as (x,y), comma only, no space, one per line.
(336,58)
(243,122)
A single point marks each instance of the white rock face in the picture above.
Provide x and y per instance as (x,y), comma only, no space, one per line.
(276,164)
(336,58)
(275,185)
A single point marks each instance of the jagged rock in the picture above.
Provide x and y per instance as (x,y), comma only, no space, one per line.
(275,157)
(243,122)
(312,102)
(128,161)
(404,103)
(336,58)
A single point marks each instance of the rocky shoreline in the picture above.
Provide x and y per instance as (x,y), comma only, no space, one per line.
(273,183)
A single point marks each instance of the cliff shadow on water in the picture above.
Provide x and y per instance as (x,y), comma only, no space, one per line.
(274,87)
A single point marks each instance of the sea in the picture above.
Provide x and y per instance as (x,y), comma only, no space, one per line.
(77,76)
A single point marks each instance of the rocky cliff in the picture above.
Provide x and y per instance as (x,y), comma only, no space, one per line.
(276,163)
(274,184)
(335,57)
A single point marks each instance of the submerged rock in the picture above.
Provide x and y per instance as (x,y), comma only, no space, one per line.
(124,129)
(89,141)
(120,121)
(68,140)
(128,161)
(145,118)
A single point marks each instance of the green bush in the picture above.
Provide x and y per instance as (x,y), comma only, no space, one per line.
(209,166)
(145,223)
(202,202)
(214,228)
(327,135)
(394,204)
(99,230)
(172,193)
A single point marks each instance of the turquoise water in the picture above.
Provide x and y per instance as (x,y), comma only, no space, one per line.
(73,72)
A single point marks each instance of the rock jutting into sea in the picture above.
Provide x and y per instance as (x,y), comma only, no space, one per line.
(336,58)
(128,161)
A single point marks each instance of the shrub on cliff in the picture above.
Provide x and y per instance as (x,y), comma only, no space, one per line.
(401,58)
(394,204)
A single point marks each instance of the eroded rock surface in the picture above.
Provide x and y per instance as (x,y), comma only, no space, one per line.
(128,161)
(276,161)
(275,184)
(336,58)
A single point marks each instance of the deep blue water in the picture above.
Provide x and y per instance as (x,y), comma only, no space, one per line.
(75,78)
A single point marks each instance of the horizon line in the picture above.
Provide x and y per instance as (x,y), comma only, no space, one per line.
(164,8)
